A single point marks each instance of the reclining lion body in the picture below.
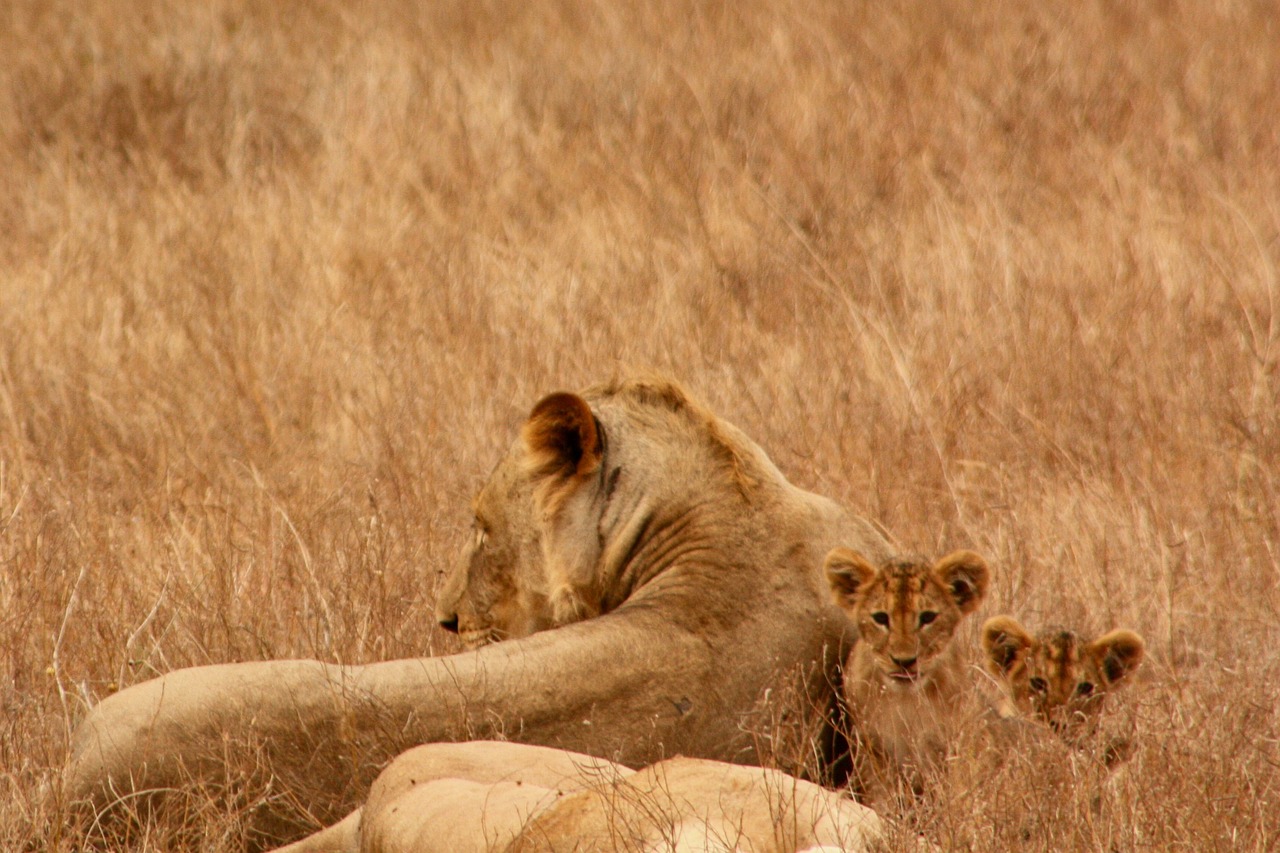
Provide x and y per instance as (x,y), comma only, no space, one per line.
(692,805)
(519,798)
(699,550)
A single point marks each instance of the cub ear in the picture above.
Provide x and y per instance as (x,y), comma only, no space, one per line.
(563,437)
(847,572)
(965,575)
(1006,644)
(1117,654)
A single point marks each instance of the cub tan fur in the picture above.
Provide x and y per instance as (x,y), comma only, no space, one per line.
(1057,676)
(905,678)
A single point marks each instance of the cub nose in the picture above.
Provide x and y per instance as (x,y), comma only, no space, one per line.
(449,622)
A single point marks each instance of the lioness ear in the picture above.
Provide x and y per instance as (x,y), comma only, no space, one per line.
(1117,654)
(965,576)
(563,437)
(847,572)
(1005,643)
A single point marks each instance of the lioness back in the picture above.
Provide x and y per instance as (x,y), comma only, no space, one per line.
(905,677)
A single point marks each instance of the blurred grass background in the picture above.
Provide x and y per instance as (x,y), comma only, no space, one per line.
(278,282)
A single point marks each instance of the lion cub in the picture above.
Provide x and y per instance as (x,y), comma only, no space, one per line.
(1059,678)
(904,681)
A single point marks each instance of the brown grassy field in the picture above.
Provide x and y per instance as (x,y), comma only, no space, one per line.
(278,282)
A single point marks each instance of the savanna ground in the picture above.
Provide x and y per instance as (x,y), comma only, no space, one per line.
(278,281)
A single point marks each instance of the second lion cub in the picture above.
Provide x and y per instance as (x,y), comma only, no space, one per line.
(905,679)
(1061,678)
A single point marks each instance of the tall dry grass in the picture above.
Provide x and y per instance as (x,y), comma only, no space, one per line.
(278,281)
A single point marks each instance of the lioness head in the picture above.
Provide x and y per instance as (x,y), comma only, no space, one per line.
(508,582)
(497,589)
(1057,677)
(906,610)
(599,490)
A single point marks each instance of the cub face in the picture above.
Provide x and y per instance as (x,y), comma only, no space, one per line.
(1056,676)
(906,609)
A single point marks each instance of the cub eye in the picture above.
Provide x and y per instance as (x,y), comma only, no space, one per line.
(880,618)
(1084,688)
(1038,684)
(927,616)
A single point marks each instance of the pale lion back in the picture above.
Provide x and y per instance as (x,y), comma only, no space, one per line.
(521,799)
(689,804)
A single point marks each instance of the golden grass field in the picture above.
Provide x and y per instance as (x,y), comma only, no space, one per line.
(279,282)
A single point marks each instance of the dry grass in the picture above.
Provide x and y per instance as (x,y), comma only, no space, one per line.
(278,281)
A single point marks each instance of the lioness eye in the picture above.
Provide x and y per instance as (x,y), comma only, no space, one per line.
(880,617)
(1039,685)
(1084,688)
(927,616)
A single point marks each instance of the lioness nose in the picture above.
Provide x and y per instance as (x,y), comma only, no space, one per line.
(449,622)
(905,663)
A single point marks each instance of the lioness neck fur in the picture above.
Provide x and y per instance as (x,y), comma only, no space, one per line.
(630,501)
(904,682)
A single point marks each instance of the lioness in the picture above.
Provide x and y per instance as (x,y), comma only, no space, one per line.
(1059,678)
(904,682)
(631,501)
